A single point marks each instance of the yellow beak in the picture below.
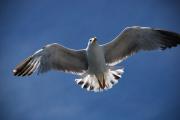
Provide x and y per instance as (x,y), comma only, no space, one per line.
(94,40)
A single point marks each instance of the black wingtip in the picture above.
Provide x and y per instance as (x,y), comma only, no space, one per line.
(21,69)
(169,39)
(14,72)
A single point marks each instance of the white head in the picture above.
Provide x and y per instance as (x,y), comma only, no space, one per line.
(92,41)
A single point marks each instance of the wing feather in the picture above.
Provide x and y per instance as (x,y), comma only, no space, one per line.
(53,56)
(134,39)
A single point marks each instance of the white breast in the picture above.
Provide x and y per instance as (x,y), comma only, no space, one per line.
(96,60)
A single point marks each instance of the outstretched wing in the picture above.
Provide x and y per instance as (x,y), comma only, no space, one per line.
(53,56)
(134,39)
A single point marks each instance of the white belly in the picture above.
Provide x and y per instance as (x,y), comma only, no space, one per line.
(96,61)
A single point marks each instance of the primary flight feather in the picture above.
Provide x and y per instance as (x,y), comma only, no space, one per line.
(95,64)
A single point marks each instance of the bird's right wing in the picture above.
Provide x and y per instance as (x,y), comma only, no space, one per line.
(53,56)
(134,39)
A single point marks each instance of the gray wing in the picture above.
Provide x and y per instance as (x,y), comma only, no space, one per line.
(134,39)
(53,56)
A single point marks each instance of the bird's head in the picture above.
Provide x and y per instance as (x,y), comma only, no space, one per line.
(92,41)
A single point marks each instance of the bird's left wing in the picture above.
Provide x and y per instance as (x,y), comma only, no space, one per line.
(134,39)
(53,56)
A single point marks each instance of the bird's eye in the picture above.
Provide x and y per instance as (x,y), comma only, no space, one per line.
(90,40)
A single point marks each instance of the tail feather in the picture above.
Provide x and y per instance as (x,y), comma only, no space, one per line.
(101,80)
(91,83)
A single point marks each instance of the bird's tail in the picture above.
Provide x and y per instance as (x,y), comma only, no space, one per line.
(92,83)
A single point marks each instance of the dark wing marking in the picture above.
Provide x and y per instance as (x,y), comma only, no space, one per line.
(53,56)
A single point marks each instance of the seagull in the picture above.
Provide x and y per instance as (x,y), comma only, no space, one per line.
(95,65)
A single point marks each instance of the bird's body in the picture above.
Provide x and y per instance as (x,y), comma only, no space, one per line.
(98,70)
(95,64)
(96,57)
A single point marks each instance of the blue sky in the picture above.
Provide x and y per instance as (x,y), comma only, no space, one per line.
(149,88)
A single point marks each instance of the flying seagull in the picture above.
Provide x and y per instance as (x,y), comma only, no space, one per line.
(95,65)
